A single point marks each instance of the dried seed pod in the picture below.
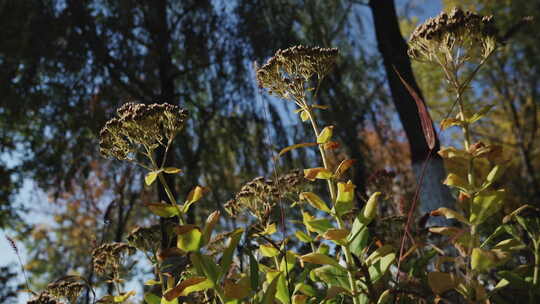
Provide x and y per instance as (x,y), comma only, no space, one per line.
(139,125)
(286,74)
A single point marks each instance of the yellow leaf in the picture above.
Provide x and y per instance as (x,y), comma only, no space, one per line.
(344,166)
(189,237)
(457,181)
(150,177)
(152,282)
(345,197)
(194,195)
(123,297)
(162,209)
(449,214)
(268,250)
(325,135)
(320,107)
(315,201)
(289,148)
(171,170)
(320,259)
(187,286)
(336,234)
(269,229)
(304,115)
(317,173)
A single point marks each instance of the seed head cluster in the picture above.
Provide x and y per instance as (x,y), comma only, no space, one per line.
(286,74)
(108,257)
(68,289)
(44,298)
(145,238)
(259,195)
(455,37)
(139,125)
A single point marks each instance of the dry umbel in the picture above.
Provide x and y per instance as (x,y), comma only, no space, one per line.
(108,257)
(259,195)
(454,38)
(287,73)
(140,126)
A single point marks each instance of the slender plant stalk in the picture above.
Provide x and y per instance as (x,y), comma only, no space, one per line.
(332,190)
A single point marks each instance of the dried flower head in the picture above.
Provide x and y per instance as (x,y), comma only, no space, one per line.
(286,74)
(44,298)
(140,125)
(260,195)
(65,288)
(454,38)
(145,238)
(108,257)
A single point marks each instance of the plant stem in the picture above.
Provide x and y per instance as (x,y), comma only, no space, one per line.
(332,190)
(166,187)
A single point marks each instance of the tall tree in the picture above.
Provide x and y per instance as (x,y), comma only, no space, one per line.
(393,49)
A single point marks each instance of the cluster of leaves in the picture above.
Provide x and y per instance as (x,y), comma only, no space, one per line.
(332,256)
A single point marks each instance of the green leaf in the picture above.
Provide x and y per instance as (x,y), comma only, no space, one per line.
(292,147)
(450,122)
(315,201)
(319,225)
(151,298)
(171,170)
(151,177)
(320,259)
(332,275)
(484,260)
(270,293)
(164,301)
(303,237)
(227,257)
(370,210)
(305,289)
(194,195)
(211,221)
(385,297)
(162,209)
(493,175)
(476,116)
(325,135)
(189,237)
(358,238)
(381,265)
(206,266)
(288,261)
(152,283)
(345,197)
(485,204)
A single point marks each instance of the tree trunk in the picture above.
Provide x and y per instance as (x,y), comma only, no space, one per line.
(393,49)
(158,26)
